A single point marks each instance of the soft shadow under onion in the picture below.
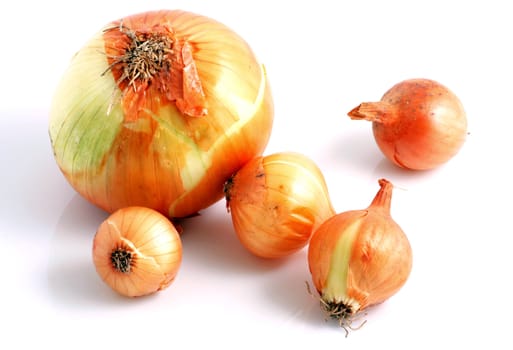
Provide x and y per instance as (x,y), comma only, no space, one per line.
(72,280)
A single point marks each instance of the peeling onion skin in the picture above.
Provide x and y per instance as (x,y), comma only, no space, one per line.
(120,144)
(276,202)
(152,243)
(359,258)
(419,124)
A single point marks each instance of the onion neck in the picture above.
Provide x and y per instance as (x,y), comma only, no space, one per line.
(146,62)
(379,112)
(383,198)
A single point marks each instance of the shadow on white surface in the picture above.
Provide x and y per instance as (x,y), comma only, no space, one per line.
(213,251)
(289,294)
(399,176)
(31,186)
(353,151)
(211,243)
(356,153)
(72,279)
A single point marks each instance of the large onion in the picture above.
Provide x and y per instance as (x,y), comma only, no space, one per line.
(164,131)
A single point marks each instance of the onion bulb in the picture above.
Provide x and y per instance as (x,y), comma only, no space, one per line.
(359,258)
(137,251)
(158,109)
(418,124)
(275,203)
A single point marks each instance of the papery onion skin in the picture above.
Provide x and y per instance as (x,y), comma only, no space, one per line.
(276,202)
(359,258)
(153,243)
(120,146)
(419,124)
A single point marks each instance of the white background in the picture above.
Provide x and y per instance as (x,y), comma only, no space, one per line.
(323,58)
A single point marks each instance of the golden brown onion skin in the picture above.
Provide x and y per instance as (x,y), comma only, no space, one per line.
(154,246)
(359,258)
(122,148)
(419,124)
(276,202)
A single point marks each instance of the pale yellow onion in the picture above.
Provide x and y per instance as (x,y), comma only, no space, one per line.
(122,144)
(275,203)
(137,251)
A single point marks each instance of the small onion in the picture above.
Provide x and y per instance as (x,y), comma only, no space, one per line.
(418,124)
(137,251)
(158,110)
(275,203)
(359,258)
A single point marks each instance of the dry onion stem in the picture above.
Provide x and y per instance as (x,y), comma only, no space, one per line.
(144,58)
(155,56)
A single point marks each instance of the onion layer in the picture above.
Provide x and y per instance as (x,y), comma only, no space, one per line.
(158,110)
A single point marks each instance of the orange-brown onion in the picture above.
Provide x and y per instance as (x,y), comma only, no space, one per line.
(158,110)
(418,124)
(276,201)
(137,251)
(359,258)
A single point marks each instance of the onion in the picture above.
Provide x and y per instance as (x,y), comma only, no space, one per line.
(158,110)
(137,251)
(276,202)
(359,258)
(418,124)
